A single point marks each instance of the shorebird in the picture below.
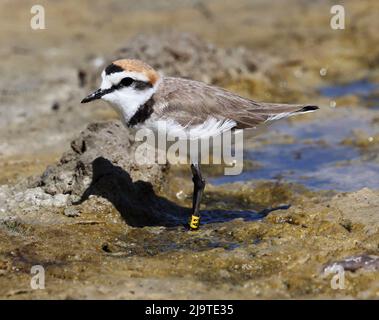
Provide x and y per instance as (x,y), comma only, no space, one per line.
(142,97)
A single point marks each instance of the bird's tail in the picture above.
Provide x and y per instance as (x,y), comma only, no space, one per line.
(261,112)
(279,111)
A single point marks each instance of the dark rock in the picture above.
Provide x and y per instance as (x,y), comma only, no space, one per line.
(109,140)
(101,163)
(55,106)
(82,78)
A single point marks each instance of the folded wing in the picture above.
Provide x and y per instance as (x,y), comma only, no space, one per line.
(192,103)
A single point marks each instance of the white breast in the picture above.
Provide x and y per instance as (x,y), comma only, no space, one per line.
(209,128)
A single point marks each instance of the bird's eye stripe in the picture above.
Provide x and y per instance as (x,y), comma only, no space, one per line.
(142,85)
(138,85)
(126,82)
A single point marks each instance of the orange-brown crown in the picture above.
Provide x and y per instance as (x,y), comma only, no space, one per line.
(133,65)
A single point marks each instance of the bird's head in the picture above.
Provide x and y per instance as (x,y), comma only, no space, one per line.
(126,84)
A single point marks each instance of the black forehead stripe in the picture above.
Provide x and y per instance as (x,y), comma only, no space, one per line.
(112,68)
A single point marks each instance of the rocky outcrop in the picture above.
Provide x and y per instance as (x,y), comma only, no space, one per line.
(182,54)
(94,154)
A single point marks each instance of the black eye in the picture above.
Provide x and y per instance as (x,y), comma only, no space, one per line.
(126,82)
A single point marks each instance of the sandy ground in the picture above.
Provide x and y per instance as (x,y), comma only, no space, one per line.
(95,249)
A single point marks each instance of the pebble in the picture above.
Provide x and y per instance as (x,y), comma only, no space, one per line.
(71,212)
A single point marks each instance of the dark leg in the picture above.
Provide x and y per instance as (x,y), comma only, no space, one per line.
(198,188)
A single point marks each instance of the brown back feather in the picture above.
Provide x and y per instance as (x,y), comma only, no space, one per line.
(191,102)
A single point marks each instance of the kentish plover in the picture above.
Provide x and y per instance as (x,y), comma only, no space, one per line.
(143,97)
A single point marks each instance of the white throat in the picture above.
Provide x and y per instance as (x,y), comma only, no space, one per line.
(126,101)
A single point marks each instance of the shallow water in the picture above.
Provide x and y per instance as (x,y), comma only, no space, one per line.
(317,159)
(362,88)
(365,90)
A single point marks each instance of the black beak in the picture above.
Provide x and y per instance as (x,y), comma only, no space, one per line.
(93,96)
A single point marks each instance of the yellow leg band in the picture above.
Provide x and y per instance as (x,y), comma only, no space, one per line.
(195,222)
